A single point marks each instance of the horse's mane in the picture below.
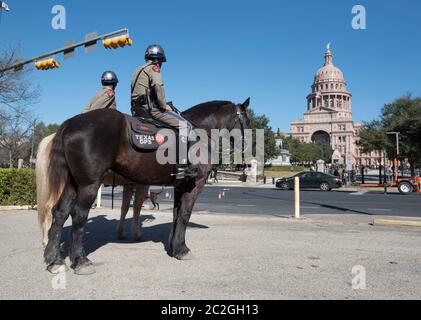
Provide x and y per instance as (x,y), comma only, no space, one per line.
(210,107)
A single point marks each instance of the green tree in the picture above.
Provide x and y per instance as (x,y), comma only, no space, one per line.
(323,151)
(42,131)
(293,146)
(17,95)
(262,122)
(308,153)
(403,116)
(373,137)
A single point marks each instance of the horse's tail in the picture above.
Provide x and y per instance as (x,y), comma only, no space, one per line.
(58,170)
(43,190)
(55,180)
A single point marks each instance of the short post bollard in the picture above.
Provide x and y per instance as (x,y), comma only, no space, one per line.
(362,175)
(273,180)
(99,197)
(297,197)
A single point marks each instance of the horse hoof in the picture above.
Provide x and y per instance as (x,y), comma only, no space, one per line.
(136,236)
(57,268)
(185,257)
(85,269)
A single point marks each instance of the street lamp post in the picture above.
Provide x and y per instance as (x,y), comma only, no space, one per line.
(395,161)
(33,144)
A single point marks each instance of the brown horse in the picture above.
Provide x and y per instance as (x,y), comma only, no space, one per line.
(88,145)
(44,206)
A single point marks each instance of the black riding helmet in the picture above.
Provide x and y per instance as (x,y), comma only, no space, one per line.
(155,52)
(109,78)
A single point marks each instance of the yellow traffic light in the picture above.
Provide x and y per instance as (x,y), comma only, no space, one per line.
(47,64)
(114,43)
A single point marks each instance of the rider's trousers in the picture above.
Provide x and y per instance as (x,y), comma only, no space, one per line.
(184,128)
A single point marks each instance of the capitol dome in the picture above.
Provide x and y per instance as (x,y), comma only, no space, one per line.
(329,89)
(329,72)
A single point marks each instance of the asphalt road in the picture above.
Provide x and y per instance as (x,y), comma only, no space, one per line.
(239,200)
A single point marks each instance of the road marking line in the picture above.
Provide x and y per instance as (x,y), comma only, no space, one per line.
(246,205)
(360,193)
(379,209)
(310,207)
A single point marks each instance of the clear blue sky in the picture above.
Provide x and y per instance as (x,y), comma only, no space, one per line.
(268,50)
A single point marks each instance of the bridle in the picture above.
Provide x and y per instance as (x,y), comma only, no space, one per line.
(240,115)
(239,118)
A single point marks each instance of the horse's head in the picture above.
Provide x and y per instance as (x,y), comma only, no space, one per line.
(242,118)
(220,115)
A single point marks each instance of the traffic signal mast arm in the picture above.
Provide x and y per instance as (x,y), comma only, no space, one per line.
(87,43)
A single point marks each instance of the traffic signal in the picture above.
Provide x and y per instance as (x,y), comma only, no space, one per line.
(47,64)
(114,43)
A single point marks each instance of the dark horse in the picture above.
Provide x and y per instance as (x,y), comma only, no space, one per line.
(89,145)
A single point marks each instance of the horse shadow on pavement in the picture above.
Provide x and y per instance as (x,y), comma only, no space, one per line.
(100,231)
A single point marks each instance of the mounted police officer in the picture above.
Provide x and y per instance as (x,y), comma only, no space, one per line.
(104,99)
(148,97)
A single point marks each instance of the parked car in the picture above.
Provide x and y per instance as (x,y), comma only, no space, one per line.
(324,182)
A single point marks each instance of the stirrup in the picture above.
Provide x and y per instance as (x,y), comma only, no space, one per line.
(185,171)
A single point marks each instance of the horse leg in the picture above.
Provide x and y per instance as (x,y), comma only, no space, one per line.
(183,206)
(127,196)
(86,197)
(60,214)
(140,197)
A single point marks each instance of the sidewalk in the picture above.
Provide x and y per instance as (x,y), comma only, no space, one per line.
(236,257)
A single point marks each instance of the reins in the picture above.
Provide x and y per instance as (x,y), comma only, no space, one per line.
(239,118)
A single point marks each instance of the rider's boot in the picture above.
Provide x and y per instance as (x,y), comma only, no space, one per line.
(184,169)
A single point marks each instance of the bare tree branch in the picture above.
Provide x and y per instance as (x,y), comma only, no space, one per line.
(15,87)
(17,95)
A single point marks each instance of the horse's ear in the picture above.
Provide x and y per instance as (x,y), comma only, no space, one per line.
(246,103)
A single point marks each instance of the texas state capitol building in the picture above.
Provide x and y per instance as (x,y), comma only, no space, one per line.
(329,118)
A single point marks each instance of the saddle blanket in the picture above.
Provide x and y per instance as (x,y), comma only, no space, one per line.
(144,135)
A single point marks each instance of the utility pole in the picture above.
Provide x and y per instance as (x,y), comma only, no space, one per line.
(395,161)
(33,144)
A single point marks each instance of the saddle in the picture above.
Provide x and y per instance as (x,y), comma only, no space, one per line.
(143,133)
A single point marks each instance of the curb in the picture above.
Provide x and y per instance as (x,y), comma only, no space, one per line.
(13,208)
(396,222)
